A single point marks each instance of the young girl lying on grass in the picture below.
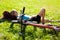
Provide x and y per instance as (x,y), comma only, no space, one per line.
(13,15)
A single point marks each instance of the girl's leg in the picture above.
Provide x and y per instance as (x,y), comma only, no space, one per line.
(42,14)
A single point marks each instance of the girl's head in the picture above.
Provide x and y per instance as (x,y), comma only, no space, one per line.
(14,13)
(6,15)
(10,16)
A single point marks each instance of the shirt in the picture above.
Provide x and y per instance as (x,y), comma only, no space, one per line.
(24,17)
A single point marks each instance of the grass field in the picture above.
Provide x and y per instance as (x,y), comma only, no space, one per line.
(32,8)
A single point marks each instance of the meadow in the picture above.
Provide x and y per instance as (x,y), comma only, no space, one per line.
(32,8)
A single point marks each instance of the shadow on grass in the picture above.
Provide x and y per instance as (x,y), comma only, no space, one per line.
(3,20)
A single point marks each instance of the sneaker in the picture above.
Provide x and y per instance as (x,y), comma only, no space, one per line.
(57,29)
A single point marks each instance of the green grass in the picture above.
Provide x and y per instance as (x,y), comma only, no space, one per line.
(32,7)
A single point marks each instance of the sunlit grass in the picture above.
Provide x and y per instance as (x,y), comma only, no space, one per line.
(33,7)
